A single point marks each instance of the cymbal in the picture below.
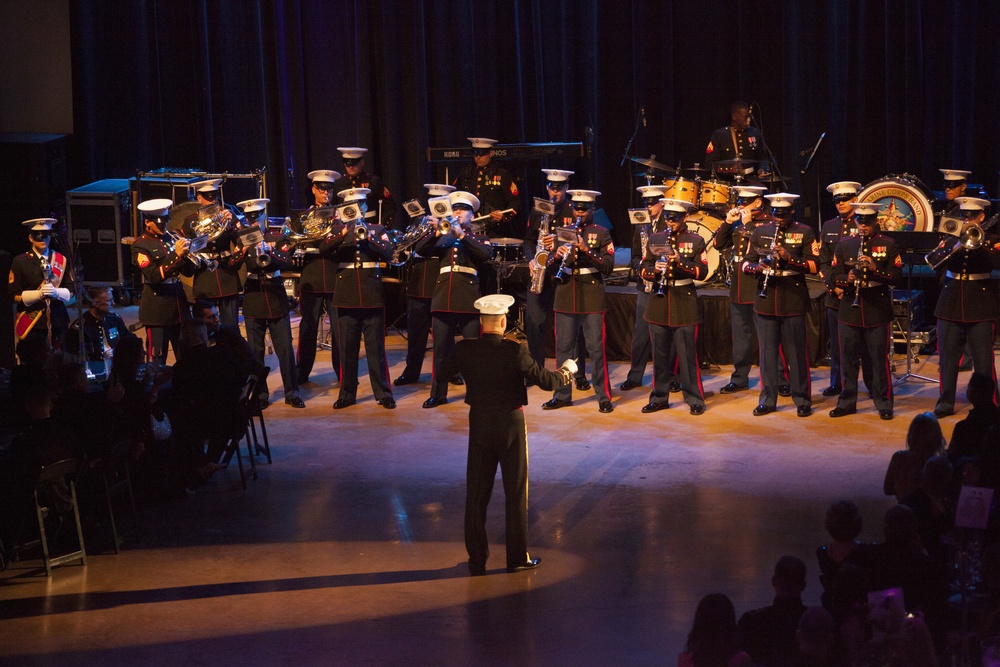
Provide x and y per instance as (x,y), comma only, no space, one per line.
(653,164)
(700,170)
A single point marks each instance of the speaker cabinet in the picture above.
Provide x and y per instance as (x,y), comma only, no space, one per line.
(98,216)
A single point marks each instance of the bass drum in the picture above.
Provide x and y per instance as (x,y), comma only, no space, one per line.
(705,225)
(905,201)
(683,189)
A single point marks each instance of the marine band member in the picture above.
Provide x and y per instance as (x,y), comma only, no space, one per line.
(38,284)
(220,285)
(381,207)
(494,187)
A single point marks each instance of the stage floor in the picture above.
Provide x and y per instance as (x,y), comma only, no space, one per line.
(349,548)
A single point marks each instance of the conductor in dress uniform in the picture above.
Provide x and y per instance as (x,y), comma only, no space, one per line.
(361,251)
(164,305)
(674,259)
(460,255)
(38,284)
(381,207)
(265,302)
(495,188)
(781,254)
(969,303)
(495,371)
(864,268)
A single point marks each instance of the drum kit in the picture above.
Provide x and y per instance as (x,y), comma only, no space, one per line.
(711,198)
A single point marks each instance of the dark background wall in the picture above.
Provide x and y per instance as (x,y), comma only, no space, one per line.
(898,86)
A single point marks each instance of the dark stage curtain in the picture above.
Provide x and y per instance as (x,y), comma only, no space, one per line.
(898,85)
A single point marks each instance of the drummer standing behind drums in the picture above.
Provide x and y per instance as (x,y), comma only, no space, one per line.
(579,269)
(221,285)
(265,302)
(734,232)
(461,255)
(673,313)
(420,281)
(865,267)
(833,232)
(782,254)
(380,203)
(317,284)
(967,307)
(539,306)
(736,140)
(164,305)
(494,187)
(360,251)
(641,345)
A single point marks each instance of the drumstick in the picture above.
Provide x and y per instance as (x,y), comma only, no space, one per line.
(483,217)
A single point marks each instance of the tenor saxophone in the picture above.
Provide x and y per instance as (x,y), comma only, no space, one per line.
(541,256)
(644,244)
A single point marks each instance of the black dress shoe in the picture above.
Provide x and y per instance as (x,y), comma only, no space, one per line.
(732,388)
(832,391)
(628,384)
(262,403)
(434,402)
(654,407)
(403,380)
(555,404)
(943,412)
(842,412)
(675,387)
(342,403)
(885,415)
(804,410)
(388,402)
(698,409)
(762,410)
(583,384)
(530,565)
(784,390)
(295,402)
(457,380)
(606,407)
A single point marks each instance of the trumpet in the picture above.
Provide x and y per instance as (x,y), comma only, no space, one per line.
(263,250)
(360,232)
(768,265)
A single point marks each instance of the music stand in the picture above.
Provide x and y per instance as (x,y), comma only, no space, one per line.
(913,246)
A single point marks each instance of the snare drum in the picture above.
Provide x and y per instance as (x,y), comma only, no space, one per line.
(905,201)
(683,189)
(507,250)
(705,225)
(714,194)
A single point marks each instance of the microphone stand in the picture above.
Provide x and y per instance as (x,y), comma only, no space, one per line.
(812,154)
(770,155)
(631,140)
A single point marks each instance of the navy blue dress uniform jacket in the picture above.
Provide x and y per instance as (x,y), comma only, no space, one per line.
(638,254)
(679,305)
(456,291)
(786,295)
(26,274)
(379,193)
(496,189)
(422,276)
(834,230)
(874,302)
(563,217)
(264,295)
(319,271)
(359,265)
(743,288)
(163,300)
(720,146)
(970,300)
(225,280)
(584,292)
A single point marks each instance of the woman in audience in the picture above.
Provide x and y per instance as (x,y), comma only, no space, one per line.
(923,440)
(712,640)
(843,522)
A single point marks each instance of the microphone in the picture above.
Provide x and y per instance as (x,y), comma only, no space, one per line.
(642,112)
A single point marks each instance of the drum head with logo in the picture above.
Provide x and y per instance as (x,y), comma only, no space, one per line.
(905,206)
(704,225)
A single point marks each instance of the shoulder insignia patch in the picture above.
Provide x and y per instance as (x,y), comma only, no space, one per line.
(142,259)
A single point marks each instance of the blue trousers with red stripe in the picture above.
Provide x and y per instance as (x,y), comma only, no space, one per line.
(954,338)
(568,329)
(783,335)
(861,346)
(684,357)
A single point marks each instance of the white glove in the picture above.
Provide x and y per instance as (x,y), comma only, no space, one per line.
(733,215)
(62,294)
(746,215)
(570,365)
(47,290)
(31,296)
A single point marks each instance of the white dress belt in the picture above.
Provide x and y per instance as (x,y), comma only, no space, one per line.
(967,276)
(362,265)
(458,269)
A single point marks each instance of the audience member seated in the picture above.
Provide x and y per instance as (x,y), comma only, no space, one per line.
(712,641)
(899,639)
(843,522)
(934,509)
(102,327)
(206,385)
(849,608)
(901,562)
(229,336)
(969,437)
(923,440)
(33,355)
(816,637)
(84,414)
(768,634)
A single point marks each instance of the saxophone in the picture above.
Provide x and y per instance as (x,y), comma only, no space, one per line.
(644,244)
(541,256)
